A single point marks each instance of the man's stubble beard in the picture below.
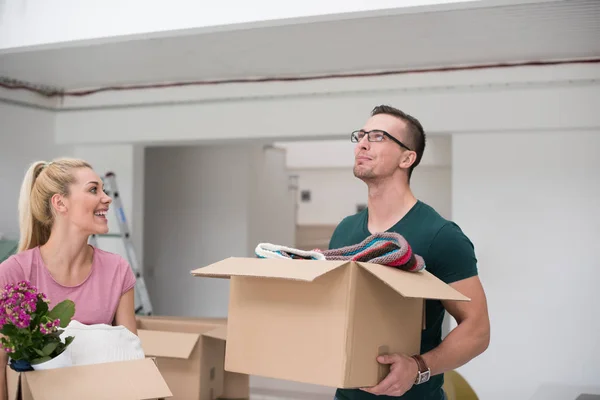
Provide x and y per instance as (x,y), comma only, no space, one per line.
(363,174)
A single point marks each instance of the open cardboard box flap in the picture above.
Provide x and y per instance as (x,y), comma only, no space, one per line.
(218,333)
(168,344)
(420,284)
(134,380)
(303,270)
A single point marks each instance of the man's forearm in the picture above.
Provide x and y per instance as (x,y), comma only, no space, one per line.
(468,340)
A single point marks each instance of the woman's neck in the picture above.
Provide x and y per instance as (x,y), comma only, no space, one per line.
(66,255)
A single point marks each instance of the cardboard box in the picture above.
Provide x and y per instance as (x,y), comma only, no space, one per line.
(322,322)
(190,354)
(127,380)
(235,386)
(202,320)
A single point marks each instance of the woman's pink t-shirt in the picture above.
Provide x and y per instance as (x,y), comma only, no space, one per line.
(96,298)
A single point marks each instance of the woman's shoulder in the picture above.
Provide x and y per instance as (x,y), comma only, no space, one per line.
(107,258)
(17,266)
(20,259)
(113,266)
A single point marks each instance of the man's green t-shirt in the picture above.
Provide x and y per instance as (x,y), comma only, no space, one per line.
(448,254)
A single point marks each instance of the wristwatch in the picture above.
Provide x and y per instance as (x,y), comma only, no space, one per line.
(424,371)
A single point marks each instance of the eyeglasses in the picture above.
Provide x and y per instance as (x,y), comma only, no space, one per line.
(375,135)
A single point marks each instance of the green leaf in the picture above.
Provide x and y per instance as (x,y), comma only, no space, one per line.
(9,330)
(40,352)
(40,360)
(56,334)
(41,307)
(49,348)
(69,340)
(63,311)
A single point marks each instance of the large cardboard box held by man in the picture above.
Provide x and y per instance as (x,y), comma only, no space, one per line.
(322,322)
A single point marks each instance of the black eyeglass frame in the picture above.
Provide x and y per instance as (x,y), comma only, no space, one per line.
(354,137)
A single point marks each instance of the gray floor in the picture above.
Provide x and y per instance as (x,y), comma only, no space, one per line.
(286,395)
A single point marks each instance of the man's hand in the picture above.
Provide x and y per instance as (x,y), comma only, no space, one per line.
(402,376)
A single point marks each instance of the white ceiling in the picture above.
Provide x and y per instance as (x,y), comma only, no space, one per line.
(502,33)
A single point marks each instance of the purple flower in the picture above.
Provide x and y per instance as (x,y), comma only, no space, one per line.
(17,303)
(49,327)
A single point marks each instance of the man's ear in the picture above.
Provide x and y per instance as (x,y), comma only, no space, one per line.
(59,203)
(408,159)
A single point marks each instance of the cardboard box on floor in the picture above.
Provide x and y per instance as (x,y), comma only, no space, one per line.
(190,354)
(322,322)
(177,318)
(235,386)
(132,380)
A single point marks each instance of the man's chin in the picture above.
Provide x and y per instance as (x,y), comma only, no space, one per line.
(363,174)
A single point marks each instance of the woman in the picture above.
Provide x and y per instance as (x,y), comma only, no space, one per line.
(61,204)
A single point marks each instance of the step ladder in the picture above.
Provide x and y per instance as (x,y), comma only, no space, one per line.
(142,299)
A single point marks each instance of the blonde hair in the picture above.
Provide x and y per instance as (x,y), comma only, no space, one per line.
(42,181)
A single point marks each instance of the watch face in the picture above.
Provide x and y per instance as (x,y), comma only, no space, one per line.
(426,376)
(423,377)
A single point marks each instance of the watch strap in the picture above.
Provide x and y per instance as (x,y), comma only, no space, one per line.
(424,371)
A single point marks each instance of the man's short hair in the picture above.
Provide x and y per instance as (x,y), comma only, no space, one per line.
(416,134)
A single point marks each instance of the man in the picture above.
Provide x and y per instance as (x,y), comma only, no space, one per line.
(388,148)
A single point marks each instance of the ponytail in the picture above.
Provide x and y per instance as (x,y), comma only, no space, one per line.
(33,233)
(42,181)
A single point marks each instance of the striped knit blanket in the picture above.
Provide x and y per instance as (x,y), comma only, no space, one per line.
(385,248)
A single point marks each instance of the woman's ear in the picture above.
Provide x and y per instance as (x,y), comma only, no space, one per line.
(59,204)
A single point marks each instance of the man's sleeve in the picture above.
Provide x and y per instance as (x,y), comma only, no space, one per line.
(334,240)
(452,255)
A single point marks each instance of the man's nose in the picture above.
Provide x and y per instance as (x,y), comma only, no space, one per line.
(364,143)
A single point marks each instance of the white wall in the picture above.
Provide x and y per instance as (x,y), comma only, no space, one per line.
(330,109)
(335,192)
(26,135)
(204,204)
(271,210)
(530,204)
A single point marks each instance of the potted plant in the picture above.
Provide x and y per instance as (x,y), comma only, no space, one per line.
(31,330)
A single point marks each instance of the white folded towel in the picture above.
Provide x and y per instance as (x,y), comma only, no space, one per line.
(269,250)
(101,343)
